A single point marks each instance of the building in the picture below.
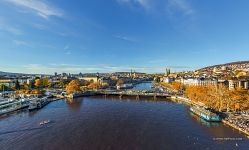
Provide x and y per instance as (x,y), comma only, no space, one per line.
(7,82)
(168,79)
(198,82)
(90,79)
(233,84)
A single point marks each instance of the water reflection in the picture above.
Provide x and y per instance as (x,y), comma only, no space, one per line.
(74,104)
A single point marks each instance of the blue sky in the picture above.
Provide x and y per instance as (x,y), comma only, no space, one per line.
(118,35)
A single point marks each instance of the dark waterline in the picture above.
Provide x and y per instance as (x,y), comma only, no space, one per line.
(98,123)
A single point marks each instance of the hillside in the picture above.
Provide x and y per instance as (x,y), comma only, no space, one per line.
(239,65)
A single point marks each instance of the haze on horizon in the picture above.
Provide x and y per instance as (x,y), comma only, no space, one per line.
(120,35)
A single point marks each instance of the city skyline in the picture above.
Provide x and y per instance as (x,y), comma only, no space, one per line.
(120,35)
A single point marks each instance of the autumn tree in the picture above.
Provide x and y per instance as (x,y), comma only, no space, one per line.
(45,82)
(25,86)
(219,97)
(94,85)
(120,82)
(177,86)
(73,86)
(38,83)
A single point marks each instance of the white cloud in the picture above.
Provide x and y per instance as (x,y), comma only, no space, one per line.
(180,5)
(19,42)
(72,68)
(9,28)
(146,4)
(125,38)
(39,7)
(171,6)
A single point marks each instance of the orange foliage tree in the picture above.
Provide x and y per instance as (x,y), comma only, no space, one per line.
(73,86)
(94,85)
(219,97)
(177,86)
(38,83)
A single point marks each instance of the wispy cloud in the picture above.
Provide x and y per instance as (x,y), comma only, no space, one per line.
(72,68)
(19,42)
(39,26)
(157,61)
(39,7)
(66,47)
(179,5)
(171,6)
(125,38)
(68,53)
(146,4)
(8,28)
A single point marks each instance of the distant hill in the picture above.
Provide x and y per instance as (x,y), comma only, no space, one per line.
(239,65)
(8,73)
(15,74)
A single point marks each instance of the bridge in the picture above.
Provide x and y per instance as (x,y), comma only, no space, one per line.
(134,93)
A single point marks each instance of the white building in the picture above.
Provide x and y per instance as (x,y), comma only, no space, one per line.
(168,79)
(198,82)
(238,84)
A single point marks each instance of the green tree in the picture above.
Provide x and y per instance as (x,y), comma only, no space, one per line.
(45,82)
(17,85)
(3,87)
(32,84)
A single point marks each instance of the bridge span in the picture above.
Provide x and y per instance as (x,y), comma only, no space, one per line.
(134,93)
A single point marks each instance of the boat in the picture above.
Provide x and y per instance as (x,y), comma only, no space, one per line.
(127,86)
(205,114)
(44,122)
(38,103)
(13,106)
(6,101)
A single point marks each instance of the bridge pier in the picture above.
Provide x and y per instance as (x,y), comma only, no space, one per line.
(155,97)
(120,96)
(137,97)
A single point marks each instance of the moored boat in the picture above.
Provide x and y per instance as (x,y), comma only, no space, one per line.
(13,106)
(205,114)
(38,103)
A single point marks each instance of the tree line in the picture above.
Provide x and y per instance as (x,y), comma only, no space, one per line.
(217,97)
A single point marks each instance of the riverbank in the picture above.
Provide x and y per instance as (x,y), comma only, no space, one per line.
(244,131)
(237,122)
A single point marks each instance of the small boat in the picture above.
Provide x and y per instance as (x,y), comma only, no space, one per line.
(44,122)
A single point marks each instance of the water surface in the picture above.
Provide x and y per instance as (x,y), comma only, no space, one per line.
(94,123)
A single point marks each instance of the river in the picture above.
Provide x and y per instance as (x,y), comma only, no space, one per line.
(108,123)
